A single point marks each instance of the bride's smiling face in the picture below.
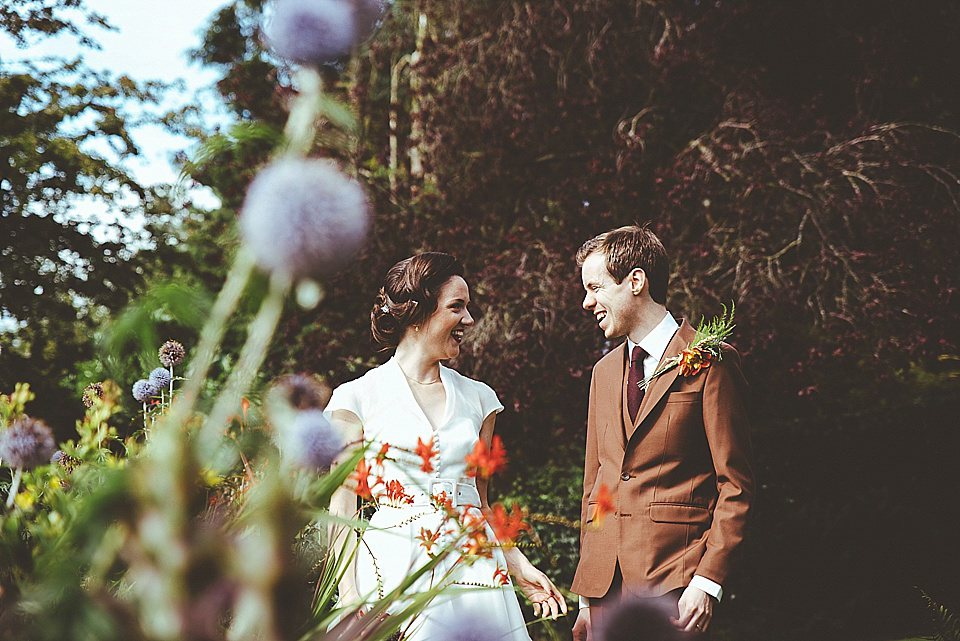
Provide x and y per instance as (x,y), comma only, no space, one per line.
(441,334)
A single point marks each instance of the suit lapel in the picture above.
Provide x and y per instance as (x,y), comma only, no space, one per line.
(610,381)
(660,385)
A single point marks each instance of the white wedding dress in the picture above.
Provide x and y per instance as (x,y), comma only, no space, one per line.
(393,546)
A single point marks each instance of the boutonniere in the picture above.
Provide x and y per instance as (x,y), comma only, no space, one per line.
(702,350)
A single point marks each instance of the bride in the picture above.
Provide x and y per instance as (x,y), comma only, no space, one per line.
(428,418)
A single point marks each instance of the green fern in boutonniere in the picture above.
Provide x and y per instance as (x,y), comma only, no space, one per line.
(704,349)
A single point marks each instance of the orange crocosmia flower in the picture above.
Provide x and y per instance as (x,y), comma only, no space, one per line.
(476,545)
(484,462)
(382,454)
(692,360)
(362,477)
(501,577)
(444,502)
(604,505)
(428,539)
(426,453)
(245,404)
(505,525)
(396,493)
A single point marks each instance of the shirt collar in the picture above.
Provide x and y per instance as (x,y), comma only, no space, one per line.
(655,343)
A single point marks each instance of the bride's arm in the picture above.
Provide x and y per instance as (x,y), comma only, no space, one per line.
(535,585)
(343,503)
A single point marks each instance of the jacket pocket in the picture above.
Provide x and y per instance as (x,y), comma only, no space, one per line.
(684,397)
(679,513)
(591,511)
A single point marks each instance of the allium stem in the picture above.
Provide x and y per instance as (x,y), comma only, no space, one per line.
(171,383)
(251,357)
(301,123)
(210,337)
(14,486)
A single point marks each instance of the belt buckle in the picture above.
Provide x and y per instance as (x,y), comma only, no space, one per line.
(452,494)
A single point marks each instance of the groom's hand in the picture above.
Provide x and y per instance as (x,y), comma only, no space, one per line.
(696,610)
(581,628)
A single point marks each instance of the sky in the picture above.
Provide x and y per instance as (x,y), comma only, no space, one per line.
(150,43)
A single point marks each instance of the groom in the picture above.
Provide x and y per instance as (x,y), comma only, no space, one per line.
(671,463)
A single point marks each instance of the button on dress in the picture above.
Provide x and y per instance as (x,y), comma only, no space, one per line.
(393,546)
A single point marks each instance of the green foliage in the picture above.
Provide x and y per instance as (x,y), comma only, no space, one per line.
(946,624)
(64,134)
(797,158)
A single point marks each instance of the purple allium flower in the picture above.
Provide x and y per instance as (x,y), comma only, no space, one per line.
(144,389)
(303,217)
(640,619)
(64,460)
(160,378)
(311,441)
(367,14)
(172,353)
(303,391)
(311,31)
(459,624)
(27,443)
(92,391)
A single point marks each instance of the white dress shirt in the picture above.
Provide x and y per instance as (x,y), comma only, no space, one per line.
(655,344)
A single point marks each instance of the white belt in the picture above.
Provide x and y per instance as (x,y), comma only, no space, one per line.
(458,492)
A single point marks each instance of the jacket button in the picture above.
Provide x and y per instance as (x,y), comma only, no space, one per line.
(625,477)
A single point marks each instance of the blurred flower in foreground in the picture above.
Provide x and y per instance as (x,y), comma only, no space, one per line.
(303,217)
(171,353)
(604,505)
(301,391)
(647,619)
(484,462)
(426,452)
(292,394)
(311,31)
(91,392)
(143,390)
(457,624)
(505,525)
(367,14)
(160,378)
(310,440)
(27,443)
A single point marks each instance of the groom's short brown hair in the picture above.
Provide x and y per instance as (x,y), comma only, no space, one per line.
(627,248)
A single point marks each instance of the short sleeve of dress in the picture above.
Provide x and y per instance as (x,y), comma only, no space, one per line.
(489,403)
(345,397)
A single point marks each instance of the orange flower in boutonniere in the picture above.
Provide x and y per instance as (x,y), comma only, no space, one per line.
(692,360)
(702,351)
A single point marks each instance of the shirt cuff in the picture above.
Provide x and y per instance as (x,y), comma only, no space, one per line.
(584,602)
(710,587)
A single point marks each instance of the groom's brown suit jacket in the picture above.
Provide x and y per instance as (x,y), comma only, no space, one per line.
(680,476)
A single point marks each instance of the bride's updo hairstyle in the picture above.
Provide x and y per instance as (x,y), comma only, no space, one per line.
(409,295)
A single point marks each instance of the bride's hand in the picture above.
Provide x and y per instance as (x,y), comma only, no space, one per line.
(541,592)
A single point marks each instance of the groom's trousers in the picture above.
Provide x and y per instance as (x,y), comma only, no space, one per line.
(619,617)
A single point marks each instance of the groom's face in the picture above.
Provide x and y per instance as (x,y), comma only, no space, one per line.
(611,303)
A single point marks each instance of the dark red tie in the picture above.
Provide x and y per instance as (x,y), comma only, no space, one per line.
(634,393)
